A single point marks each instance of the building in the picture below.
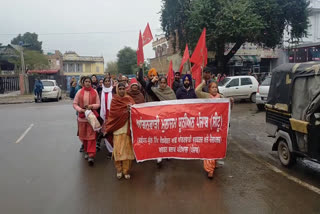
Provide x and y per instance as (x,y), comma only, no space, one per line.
(249,58)
(252,58)
(75,65)
(56,61)
(164,53)
(308,48)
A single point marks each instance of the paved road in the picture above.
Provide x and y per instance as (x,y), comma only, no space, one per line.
(45,173)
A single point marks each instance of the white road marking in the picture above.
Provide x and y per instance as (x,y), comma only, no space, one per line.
(277,170)
(24,133)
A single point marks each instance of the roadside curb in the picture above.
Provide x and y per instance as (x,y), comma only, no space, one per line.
(16,102)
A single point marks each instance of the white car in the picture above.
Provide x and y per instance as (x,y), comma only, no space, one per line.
(239,87)
(51,90)
(262,93)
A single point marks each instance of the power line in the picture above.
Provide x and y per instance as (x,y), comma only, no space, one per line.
(79,33)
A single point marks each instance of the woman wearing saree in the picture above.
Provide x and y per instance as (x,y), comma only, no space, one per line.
(118,124)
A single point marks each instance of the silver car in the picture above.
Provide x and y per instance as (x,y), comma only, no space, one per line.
(262,93)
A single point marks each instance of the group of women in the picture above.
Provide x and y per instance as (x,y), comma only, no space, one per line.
(112,105)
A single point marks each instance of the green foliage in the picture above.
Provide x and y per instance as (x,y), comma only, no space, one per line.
(32,59)
(28,39)
(127,60)
(112,67)
(234,21)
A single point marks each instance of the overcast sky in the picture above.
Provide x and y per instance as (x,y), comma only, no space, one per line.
(120,20)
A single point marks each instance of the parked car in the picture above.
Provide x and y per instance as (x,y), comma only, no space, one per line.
(239,87)
(51,90)
(262,93)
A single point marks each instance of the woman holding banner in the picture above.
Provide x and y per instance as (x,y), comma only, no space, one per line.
(118,124)
(87,99)
(208,165)
(163,92)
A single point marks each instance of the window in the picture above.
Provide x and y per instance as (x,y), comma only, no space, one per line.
(224,81)
(47,83)
(234,83)
(78,67)
(266,82)
(246,81)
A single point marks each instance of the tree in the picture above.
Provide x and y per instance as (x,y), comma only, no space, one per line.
(30,40)
(112,67)
(234,22)
(127,60)
(32,59)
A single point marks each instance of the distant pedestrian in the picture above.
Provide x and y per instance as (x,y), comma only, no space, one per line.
(73,89)
(177,82)
(95,82)
(38,87)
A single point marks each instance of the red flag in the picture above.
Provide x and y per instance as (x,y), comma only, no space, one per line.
(200,54)
(196,74)
(184,58)
(170,75)
(140,57)
(147,35)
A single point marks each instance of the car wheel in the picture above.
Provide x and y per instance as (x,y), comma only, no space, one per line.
(287,159)
(253,98)
(57,99)
(260,107)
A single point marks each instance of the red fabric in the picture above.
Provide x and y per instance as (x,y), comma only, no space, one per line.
(200,54)
(90,147)
(92,100)
(196,74)
(86,131)
(106,104)
(170,75)
(133,81)
(140,57)
(147,35)
(119,113)
(203,137)
(185,58)
(43,71)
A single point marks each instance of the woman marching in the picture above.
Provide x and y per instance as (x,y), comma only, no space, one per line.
(118,124)
(209,165)
(106,98)
(162,92)
(87,99)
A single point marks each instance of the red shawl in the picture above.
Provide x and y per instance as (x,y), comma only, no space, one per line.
(92,99)
(119,113)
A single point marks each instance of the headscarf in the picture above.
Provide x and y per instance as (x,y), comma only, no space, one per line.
(119,113)
(153,72)
(189,78)
(104,108)
(136,95)
(164,94)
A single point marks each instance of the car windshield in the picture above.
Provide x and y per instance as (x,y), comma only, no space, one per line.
(47,83)
(266,82)
(223,82)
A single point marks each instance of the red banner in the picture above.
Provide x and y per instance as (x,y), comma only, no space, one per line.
(181,129)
